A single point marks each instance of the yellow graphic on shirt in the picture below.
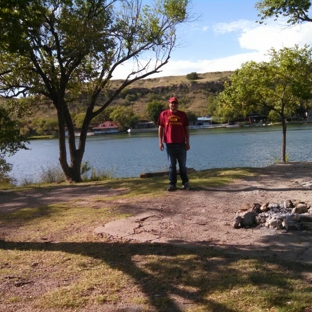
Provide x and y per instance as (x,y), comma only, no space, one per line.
(174,120)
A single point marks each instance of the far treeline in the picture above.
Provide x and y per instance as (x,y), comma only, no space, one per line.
(141,101)
(56,72)
(199,95)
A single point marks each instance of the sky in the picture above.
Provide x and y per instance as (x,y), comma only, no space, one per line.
(224,35)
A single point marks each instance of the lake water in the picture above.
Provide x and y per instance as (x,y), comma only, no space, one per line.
(129,155)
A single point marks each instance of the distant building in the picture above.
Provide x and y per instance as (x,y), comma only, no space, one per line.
(206,120)
(144,124)
(256,118)
(201,122)
(106,127)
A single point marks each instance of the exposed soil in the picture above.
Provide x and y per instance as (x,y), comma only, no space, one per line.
(200,216)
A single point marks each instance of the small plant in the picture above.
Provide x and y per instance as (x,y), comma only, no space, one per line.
(5,168)
(52,175)
(98,175)
(192,76)
(276,159)
(27,181)
(94,175)
(85,167)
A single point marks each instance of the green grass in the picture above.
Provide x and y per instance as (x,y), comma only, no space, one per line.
(50,261)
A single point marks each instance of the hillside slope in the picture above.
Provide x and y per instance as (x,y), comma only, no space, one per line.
(193,95)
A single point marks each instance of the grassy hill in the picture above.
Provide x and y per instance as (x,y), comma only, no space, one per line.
(193,95)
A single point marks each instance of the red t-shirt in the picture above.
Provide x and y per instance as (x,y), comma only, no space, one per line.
(174,125)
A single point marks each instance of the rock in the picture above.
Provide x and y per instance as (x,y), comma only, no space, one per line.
(302,205)
(273,206)
(288,204)
(237,222)
(300,208)
(273,222)
(245,219)
(244,207)
(292,222)
(256,208)
(285,215)
(264,207)
(261,218)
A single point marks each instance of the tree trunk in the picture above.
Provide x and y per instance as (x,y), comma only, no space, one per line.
(73,171)
(284,139)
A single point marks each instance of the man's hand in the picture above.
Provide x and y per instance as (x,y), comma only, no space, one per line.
(187,146)
(161,137)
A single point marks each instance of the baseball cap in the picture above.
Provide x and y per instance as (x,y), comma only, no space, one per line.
(173,99)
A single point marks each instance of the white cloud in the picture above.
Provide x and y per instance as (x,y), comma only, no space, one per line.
(230,63)
(275,35)
(254,39)
(184,67)
(224,28)
(262,37)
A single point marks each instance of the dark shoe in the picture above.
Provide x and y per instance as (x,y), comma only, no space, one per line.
(171,187)
(186,186)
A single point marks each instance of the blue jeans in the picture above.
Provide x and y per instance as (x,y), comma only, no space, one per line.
(177,153)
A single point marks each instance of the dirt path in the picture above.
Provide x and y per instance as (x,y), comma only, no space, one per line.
(205,217)
(201,216)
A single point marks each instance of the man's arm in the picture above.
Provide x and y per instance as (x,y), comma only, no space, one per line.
(161,137)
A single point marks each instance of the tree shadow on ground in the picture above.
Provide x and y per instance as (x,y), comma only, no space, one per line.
(191,272)
(194,272)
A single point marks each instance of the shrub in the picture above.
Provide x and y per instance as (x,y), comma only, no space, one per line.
(192,76)
(52,175)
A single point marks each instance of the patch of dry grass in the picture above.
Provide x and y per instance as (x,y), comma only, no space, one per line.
(174,80)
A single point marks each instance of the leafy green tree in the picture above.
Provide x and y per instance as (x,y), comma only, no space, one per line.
(51,125)
(192,117)
(212,104)
(104,116)
(131,97)
(59,50)
(44,125)
(78,120)
(278,86)
(153,110)
(125,117)
(296,10)
(10,140)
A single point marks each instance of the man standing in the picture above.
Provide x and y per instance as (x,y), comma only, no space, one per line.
(173,129)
